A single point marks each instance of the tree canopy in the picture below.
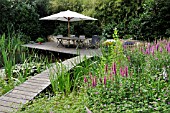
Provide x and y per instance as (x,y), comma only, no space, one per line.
(138,19)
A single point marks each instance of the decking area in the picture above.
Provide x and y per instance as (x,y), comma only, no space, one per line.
(20,95)
(53,46)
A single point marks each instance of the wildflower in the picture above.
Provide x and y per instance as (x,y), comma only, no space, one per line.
(147,51)
(96,93)
(153,52)
(85,79)
(104,80)
(114,68)
(156,58)
(94,82)
(157,46)
(160,49)
(126,71)
(121,72)
(149,45)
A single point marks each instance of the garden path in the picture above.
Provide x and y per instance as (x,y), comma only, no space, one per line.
(20,95)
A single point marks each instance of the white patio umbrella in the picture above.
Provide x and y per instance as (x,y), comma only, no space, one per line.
(68,16)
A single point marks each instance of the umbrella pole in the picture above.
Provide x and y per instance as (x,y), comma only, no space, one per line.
(68,27)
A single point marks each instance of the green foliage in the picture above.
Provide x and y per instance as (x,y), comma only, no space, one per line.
(73,103)
(39,39)
(143,87)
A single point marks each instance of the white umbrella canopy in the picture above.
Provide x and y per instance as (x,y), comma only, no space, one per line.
(68,16)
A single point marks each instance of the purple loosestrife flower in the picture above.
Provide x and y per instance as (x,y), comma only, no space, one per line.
(153,52)
(149,45)
(160,49)
(126,71)
(85,79)
(121,72)
(157,46)
(114,68)
(169,49)
(147,51)
(94,82)
(106,68)
(104,80)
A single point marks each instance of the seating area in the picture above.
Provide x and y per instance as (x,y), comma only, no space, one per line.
(77,42)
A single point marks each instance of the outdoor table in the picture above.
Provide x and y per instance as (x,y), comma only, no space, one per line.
(77,40)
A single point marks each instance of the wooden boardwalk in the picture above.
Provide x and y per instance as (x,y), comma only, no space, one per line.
(20,95)
(52,46)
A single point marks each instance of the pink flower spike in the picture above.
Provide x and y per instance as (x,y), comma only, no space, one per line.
(85,79)
(160,49)
(121,72)
(104,80)
(114,69)
(149,45)
(94,82)
(153,52)
(126,71)
(157,46)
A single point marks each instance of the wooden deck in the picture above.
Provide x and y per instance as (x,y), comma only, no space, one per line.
(52,46)
(20,95)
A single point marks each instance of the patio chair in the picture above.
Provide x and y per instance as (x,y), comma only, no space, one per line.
(73,41)
(95,41)
(58,40)
(81,41)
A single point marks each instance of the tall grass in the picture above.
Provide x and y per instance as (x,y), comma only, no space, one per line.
(17,61)
(67,81)
(11,52)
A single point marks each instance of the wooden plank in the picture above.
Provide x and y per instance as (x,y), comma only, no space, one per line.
(5,109)
(9,104)
(24,93)
(32,82)
(27,89)
(31,86)
(15,100)
(40,79)
(20,96)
